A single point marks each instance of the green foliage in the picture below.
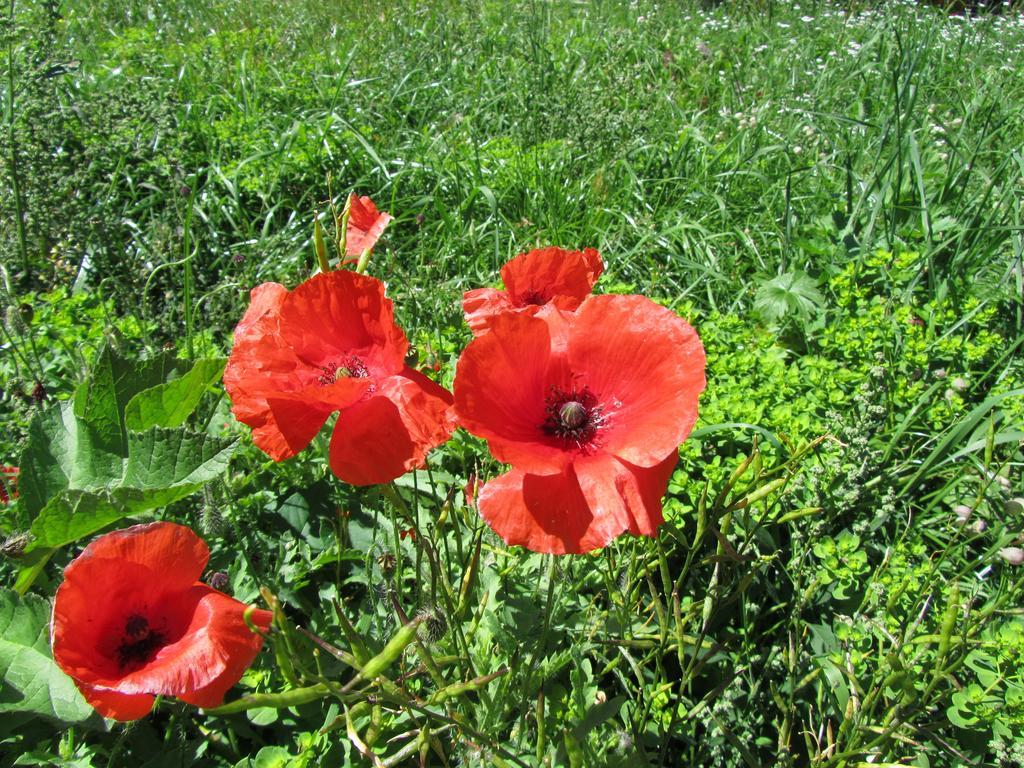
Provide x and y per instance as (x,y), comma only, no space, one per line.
(30,682)
(792,297)
(85,466)
(830,196)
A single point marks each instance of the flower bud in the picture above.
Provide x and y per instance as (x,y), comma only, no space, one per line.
(1012,555)
(219,581)
(14,545)
(963,513)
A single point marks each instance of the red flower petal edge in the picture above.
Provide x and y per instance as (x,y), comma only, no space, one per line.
(589,408)
(544,277)
(332,345)
(580,509)
(365,225)
(131,621)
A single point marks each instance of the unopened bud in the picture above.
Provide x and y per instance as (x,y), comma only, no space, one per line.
(963,513)
(433,623)
(14,545)
(1012,555)
(980,526)
(219,581)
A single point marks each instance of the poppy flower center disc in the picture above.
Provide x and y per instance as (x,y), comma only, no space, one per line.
(573,416)
(351,367)
(139,643)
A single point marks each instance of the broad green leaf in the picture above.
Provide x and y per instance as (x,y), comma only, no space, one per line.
(167,458)
(168,405)
(31,681)
(163,466)
(72,514)
(272,757)
(63,452)
(113,381)
(598,714)
(295,511)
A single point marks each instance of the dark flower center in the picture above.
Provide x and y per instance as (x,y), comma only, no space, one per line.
(139,643)
(533,297)
(349,368)
(574,416)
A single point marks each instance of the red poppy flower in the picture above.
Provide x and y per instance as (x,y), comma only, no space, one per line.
(365,226)
(589,409)
(544,277)
(132,621)
(9,480)
(332,345)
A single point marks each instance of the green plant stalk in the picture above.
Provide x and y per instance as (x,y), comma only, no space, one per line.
(19,205)
(186,247)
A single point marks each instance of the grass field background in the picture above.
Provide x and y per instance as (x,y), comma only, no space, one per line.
(832,196)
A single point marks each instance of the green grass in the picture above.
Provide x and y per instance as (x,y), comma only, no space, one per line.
(831,194)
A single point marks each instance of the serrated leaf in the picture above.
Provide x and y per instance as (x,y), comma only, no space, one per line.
(113,381)
(72,514)
(164,466)
(31,681)
(166,458)
(793,295)
(63,452)
(168,405)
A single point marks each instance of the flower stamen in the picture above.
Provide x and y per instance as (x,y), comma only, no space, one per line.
(575,417)
(349,368)
(139,642)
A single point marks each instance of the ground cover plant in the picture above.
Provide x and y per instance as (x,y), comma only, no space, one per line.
(254,528)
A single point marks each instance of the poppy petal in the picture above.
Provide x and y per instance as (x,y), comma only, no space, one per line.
(173,551)
(264,306)
(482,304)
(645,364)
(118,706)
(336,315)
(624,496)
(238,644)
(545,513)
(134,569)
(215,643)
(365,225)
(390,432)
(541,275)
(291,420)
(502,381)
